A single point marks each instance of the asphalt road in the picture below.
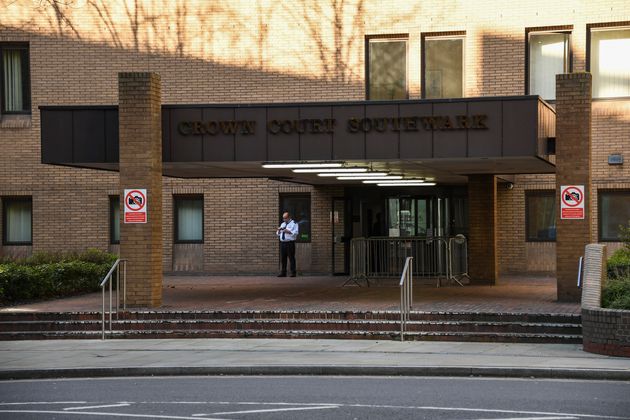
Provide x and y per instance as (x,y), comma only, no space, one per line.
(270,397)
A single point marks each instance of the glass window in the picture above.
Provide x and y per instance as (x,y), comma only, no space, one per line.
(387,70)
(15,78)
(610,62)
(548,56)
(189,219)
(614,211)
(541,216)
(299,207)
(443,71)
(393,221)
(17,220)
(114,219)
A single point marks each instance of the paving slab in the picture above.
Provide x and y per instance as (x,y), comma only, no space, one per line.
(71,358)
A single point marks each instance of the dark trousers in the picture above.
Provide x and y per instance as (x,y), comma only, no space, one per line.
(287,249)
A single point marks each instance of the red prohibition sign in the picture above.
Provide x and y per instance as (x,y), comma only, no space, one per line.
(139,204)
(568,191)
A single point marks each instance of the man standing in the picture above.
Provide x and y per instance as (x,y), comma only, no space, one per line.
(287,233)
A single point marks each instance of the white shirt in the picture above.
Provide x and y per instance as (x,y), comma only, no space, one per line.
(292,227)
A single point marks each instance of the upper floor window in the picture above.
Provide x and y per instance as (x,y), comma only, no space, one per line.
(17,220)
(548,55)
(15,86)
(610,61)
(387,69)
(443,66)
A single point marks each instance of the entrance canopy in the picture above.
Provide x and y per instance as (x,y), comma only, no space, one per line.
(442,139)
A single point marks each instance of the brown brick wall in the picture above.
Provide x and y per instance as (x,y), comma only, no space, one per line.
(573,167)
(243,51)
(482,237)
(140,134)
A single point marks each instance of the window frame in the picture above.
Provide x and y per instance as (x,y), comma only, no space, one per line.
(112,198)
(26,75)
(562,29)
(178,197)
(5,201)
(600,193)
(385,38)
(602,26)
(308,195)
(539,193)
(423,64)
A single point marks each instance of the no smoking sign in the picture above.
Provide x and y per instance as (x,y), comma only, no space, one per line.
(135,206)
(572,202)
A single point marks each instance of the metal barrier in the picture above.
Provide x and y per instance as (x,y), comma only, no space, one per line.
(433,257)
(108,279)
(406,295)
(458,259)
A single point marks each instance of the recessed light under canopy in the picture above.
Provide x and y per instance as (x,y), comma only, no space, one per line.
(361,177)
(405,184)
(289,165)
(399,181)
(367,174)
(324,170)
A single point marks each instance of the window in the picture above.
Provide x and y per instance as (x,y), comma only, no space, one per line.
(189,219)
(17,220)
(15,76)
(387,69)
(114,219)
(614,211)
(442,66)
(610,61)
(299,207)
(540,214)
(548,54)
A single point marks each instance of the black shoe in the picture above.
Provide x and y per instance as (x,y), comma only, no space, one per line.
(282,275)
(293,274)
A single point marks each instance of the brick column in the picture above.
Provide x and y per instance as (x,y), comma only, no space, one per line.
(140,139)
(483,262)
(573,167)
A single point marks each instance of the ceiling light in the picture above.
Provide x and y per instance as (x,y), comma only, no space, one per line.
(359,178)
(394,184)
(400,181)
(316,170)
(368,174)
(302,165)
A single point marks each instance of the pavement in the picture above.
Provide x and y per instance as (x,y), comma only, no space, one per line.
(187,357)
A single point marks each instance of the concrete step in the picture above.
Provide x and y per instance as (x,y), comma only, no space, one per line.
(297,324)
(311,334)
(319,315)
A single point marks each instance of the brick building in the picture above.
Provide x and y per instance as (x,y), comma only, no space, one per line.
(60,154)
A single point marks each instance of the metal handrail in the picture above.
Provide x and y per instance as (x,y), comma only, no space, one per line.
(108,279)
(406,296)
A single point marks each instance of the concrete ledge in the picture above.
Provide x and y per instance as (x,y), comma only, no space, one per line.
(506,372)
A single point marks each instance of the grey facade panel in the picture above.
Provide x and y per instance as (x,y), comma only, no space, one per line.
(370,131)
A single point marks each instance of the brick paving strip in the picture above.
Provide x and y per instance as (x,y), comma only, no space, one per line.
(521,294)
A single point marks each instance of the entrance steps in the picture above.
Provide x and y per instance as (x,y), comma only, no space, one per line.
(437,326)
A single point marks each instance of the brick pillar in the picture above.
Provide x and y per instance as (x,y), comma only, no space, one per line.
(483,262)
(573,167)
(140,139)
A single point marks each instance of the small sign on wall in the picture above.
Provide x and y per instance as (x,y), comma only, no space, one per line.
(135,205)
(572,202)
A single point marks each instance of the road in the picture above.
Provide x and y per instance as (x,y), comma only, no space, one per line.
(314,397)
